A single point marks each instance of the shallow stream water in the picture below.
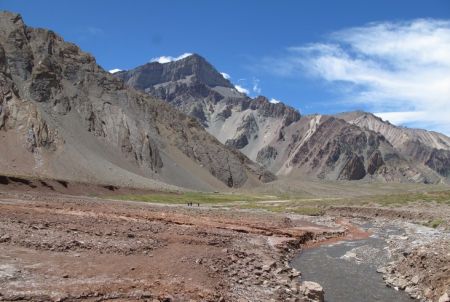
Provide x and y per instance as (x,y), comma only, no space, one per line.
(347,270)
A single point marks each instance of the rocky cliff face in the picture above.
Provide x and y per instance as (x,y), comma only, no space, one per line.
(329,148)
(277,136)
(193,86)
(426,147)
(192,69)
(77,121)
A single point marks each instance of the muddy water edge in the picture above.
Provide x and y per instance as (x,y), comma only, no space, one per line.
(347,270)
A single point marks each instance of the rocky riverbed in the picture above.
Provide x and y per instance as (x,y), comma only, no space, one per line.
(412,259)
(420,263)
(68,248)
(56,247)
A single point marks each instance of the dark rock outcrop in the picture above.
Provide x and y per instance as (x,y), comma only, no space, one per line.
(238,143)
(353,169)
(420,146)
(266,155)
(375,162)
(439,161)
(155,73)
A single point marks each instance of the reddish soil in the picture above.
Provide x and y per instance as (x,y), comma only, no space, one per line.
(352,233)
(68,248)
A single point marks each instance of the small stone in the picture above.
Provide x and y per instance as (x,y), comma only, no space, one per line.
(382,270)
(409,290)
(294,288)
(295,273)
(5,238)
(444,298)
(402,283)
(167,298)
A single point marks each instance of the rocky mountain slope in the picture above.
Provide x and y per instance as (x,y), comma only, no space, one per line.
(63,116)
(278,137)
(427,147)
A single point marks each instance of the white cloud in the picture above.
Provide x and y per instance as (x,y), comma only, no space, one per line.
(167,59)
(399,69)
(115,70)
(256,88)
(241,89)
(225,75)
(274,101)
(401,117)
(418,119)
(95,31)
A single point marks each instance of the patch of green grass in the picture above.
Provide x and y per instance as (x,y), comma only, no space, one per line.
(284,208)
(435,223)
(303,205)
(383,200)
(195,197)
(392,199)
(317,206)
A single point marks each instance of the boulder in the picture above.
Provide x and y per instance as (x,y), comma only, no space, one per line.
(313,291)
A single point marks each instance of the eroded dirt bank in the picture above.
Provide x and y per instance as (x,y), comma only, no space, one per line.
(65,248)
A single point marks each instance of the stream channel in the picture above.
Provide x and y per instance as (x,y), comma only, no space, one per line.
(347,269)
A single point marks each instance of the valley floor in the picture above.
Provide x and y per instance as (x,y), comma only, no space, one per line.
(58,247)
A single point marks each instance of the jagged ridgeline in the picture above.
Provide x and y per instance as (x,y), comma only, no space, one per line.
(63,116)
(342,147)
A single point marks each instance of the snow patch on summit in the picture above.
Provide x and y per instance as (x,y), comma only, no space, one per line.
(168,59)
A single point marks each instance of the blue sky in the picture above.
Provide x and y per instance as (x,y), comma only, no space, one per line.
(317,56)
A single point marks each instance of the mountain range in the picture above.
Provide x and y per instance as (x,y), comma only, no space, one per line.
(181,124)
(347,146)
